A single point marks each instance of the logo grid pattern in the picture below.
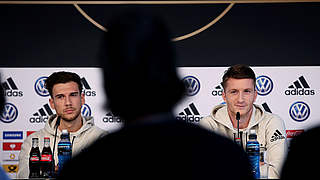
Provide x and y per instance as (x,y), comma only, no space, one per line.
(27,107)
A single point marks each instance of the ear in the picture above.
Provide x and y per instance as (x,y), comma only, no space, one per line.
(224,96)
(255,95)
(51,103)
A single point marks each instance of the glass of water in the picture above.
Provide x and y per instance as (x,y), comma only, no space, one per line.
(264,166)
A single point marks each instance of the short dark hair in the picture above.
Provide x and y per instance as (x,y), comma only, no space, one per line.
(138,60)
(62,77)
(238,71)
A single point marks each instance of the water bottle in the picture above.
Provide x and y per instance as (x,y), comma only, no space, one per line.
(34,159)
(46,159)
(64,149)
(253,151)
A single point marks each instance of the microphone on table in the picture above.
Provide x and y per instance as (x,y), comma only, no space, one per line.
(238,138)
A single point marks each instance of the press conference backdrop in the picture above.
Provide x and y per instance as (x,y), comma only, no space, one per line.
(290,92)
(279,40)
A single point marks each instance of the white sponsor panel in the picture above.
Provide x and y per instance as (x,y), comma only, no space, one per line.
(10,156)
(290,92)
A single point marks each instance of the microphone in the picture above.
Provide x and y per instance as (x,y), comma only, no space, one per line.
(238,116)
(238,119)
(238,139)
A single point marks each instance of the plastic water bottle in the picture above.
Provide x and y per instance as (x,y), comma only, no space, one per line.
(253,151)
(64,149)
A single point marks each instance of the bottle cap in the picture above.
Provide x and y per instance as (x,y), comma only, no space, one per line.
(64,131)
(252,131)
(252,134)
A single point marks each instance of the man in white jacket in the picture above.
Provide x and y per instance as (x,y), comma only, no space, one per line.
(240,94)
(65,89)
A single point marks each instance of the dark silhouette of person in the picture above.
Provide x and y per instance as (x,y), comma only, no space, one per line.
(302,156)
(142,87)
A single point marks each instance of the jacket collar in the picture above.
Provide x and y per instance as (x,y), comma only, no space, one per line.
(87,123)
(220,114)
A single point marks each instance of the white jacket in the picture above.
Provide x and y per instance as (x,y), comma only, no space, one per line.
(81,139)
(269,127)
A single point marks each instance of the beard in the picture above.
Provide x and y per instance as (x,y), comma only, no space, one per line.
(70,117)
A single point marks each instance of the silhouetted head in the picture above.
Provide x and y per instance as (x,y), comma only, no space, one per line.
(138,62)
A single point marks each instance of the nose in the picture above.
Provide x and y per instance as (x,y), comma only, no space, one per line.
(240,97)
(68,101)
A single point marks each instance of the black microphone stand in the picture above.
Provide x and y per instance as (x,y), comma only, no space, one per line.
(238,139)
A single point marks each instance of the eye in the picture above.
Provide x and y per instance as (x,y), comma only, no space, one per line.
(233,92)
(59,96)
(74,94)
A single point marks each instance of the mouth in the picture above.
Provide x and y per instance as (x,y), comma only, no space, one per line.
(240,106)
(69,111)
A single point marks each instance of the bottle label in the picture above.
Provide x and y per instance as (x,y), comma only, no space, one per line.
(67,146)
(46,157)
(34,158)
(253,151)
(253,148)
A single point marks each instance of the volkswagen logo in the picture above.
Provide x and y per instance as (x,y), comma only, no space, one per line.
(40,88)
(86,110)
(264,85)
(192,85)
(9,114)
(299,111)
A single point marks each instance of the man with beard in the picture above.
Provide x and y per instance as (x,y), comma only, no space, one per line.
(66,98)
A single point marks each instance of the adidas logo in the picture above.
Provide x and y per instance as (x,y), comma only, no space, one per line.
(110,118)
(42,115)
(217,91)
(11,89)
(276,136)
(266,107)
(9,84)
(190,114)
(87,89)
(299,87)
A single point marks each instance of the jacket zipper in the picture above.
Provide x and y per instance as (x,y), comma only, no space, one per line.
(72,142)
